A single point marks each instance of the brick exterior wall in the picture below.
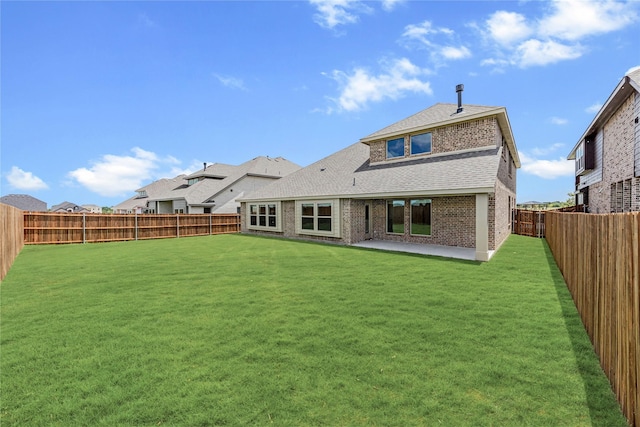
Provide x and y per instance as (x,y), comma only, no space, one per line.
(456,137)
(617,160)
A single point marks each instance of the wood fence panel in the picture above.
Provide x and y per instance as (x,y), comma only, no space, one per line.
(51,228)
(529,223)
(599,257)
(11,236)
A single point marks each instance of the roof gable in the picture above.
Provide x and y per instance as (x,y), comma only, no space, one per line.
(440,114)
(629,85)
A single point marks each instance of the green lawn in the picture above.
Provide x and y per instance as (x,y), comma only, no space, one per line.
(238,330)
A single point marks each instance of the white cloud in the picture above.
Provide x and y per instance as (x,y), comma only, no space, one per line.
(535,52)
(507,28)
(332,13)
(557,35)
(360,88)
(593,109)
(119,175)
(231,82)
(559,121)
(438,41)
(547,169)
(389,5)
(537,151)
(23,180)
(575,19)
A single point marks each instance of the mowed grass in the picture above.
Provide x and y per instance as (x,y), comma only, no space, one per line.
(240,330)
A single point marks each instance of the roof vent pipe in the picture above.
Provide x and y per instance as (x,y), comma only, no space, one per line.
(459,89)
(205,166)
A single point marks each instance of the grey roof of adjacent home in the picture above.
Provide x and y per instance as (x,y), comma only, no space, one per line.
(157,187)
(24,202)
(66,207)
(221,176)
(349,174)
(629,84)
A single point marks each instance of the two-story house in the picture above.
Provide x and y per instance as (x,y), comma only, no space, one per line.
(215,188)
(444,176)
(607,155)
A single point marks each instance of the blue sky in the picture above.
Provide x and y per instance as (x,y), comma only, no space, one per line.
(101,98)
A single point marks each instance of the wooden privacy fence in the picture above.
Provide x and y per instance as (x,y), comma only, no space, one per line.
(47,228)
(528,223)
(599,256)
(11,237)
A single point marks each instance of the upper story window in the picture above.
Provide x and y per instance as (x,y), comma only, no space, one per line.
(421,144)
(142,193)
(585,155)
(192,181)
(395,148)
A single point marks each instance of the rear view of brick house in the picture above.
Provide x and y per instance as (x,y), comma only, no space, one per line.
(443,176)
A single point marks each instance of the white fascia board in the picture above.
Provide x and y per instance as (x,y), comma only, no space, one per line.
(601,115)
(401,194)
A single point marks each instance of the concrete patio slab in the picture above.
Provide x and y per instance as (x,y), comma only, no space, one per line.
(415,248)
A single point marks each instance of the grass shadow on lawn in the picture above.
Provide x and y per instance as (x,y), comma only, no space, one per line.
(600,397)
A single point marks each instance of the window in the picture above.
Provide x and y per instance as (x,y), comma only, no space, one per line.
(395,216)
(395,148)
(316,216)
(264,216)
(319,217)
(142,194)
(192,181)
(421,217)
(421,144)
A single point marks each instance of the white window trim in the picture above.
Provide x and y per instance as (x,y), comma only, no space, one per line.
(277,228)
(386,148)
(336,215)
(411,153)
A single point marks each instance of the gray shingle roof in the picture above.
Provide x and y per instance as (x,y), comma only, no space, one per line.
(155,188)
(24,202)
(200,192)
(438,114)
(348,173)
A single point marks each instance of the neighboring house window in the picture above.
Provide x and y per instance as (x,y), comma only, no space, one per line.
(265,216)
(395,148)
(178,211)
(580,158)
(421,217)
(421,144)
(192,181)
(142,194)
(395,216)
(318,217)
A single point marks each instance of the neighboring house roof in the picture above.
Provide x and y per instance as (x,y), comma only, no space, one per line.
(444,114)
(148,191)
(24,202)
(348,174)
(219,177)
(629,84)
(67,207)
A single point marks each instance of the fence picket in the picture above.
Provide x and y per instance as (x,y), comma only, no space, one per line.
(48,228)
(599,257)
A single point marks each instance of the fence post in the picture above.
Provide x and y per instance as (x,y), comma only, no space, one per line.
(210,226)
(136,225)
(84,227)
(177,225)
